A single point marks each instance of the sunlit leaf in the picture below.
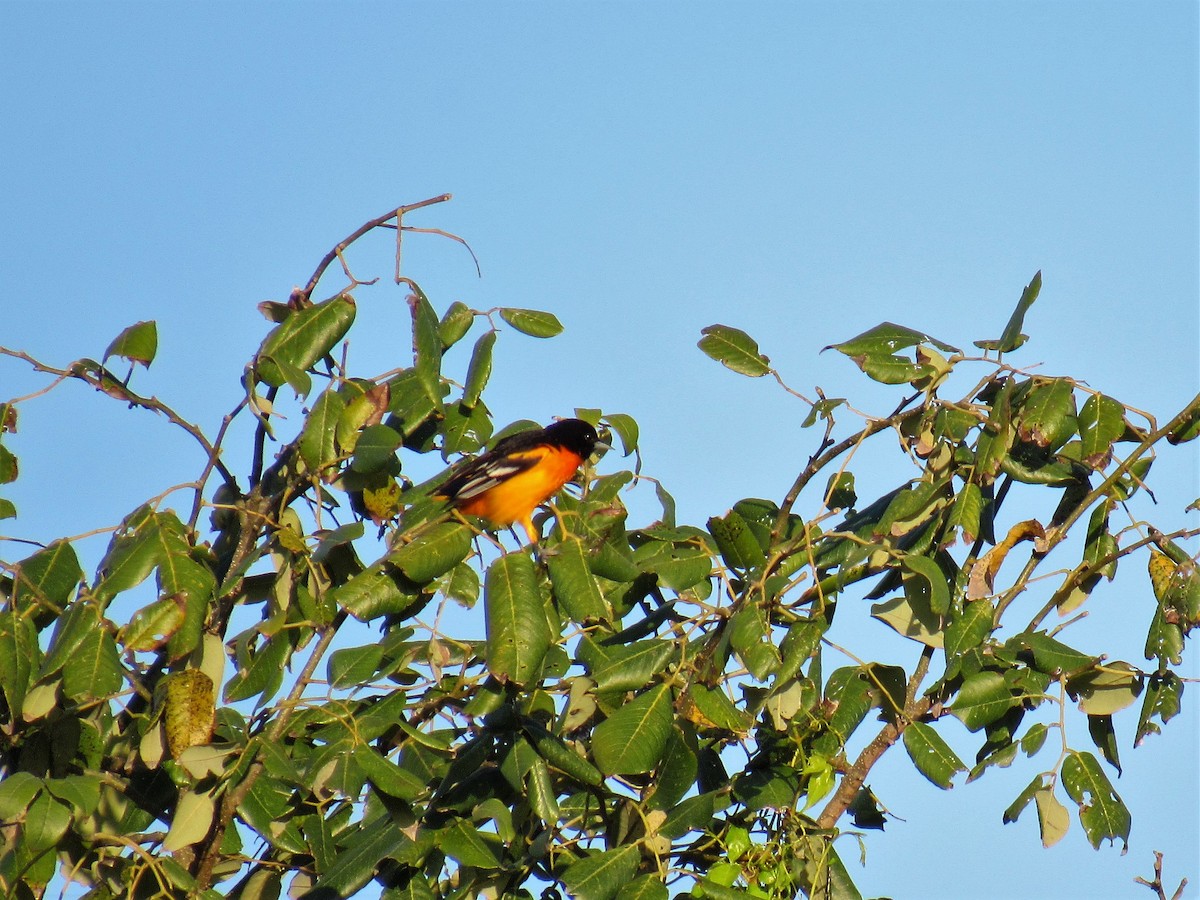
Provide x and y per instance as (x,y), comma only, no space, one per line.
(932,755)
(138,343)
(735,349)
(518,634)
(302,339)
(1012,338)
(532,322)
(193,817)
(1102,813)
(632,740)
(601,875)
(983,699)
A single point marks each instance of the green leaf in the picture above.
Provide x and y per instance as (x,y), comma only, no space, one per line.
(1164,694)
(968,628)
(710,707)
(1047,417)
(632,667)
(375,449)
(874,352)
(1053,819)
(303,338)
(518,633)
(554,751)
(151,626)
(378,590)
(886,339)
(1012,338)
(1104,736)
(465,430)
(1050,656)
(676,773)
(455,324)
(931,755)
(928,583)
(138,343)
(694,813)
(265,806)
(540,791)
(193,817)
(734,349)
(736,542)
(434,552)
(1101,423)
(1105,690)
(751,640)
(679,566)
(983,699)
(393,780)
(1014,810)
(644,887)
(46,822)
(427,343)
(633,739)
(17,791)
(532,322)
(848,694)
(47,579)
(259,671)
(575,587)
(1102,813)
(365,845)
(911,616)
(94,668)
(461,585)
(626,428)
(352,666)
(840,492)
(601,875)
(131,557)
(1188,428)
(463,843)
(479,370)
(20,656)
(318,445)
(8,468)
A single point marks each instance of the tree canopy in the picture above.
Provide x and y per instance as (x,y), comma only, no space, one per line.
(281,677)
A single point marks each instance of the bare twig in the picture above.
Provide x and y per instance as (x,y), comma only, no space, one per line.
(1056,535)
(854,778)
(1157,885)
(105,382)
(377,222)
(210,852)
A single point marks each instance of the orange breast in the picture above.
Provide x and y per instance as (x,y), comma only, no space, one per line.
(514,499)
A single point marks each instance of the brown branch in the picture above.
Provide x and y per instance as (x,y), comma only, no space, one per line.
(1157,884)
(1056,535)
(377,222)
(104,381)
(209,854)
(852,781)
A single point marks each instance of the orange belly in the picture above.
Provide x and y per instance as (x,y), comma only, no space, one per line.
(513,500)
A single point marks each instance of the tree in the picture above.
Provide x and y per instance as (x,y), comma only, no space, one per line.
(295,704)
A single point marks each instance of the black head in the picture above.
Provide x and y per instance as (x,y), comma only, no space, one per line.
(574,434)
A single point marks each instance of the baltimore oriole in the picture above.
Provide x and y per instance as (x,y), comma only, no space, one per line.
(506,484)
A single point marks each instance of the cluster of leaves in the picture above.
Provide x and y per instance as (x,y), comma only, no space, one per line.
(646,706)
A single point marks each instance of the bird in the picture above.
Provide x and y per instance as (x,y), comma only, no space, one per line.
(507,483)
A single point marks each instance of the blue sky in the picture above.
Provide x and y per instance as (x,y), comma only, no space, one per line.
(799,171)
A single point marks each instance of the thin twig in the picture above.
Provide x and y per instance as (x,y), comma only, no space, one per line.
(378,221)
(105,382)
